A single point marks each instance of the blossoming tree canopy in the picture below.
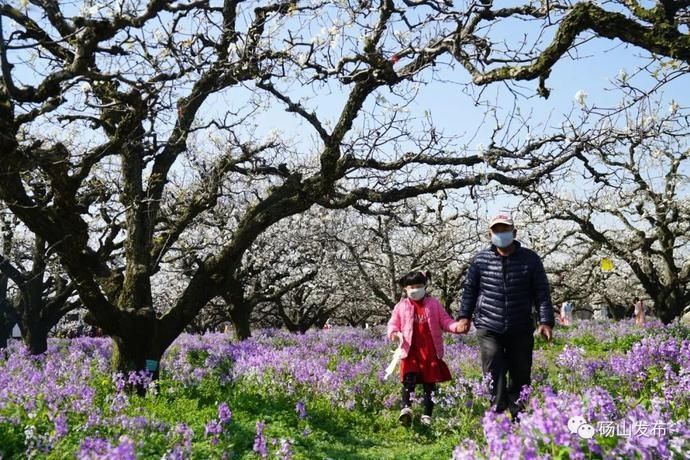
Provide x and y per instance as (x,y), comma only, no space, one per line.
(139,118)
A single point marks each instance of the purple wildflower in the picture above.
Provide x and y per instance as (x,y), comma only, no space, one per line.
(260,441)
(301,409)
(224,413)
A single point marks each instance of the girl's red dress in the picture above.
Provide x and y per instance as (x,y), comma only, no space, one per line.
(422,357)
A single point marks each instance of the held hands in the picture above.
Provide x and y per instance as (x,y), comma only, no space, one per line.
(546,332)
(462,326)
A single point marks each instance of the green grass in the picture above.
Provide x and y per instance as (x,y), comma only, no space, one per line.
(333,432)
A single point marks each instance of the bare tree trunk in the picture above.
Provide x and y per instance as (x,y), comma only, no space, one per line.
(5,332)
(323,318)
(34,326)
(668,305)
(240,322)
(289,325)
(36,337)
(619,312)
(8,318)
(390,263)
(139,347)
(306,323)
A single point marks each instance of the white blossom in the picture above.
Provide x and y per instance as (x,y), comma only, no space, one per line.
(649,121)
(673,107)
(273,135)
(581,97)
(402,35)
(159,35)
(93,10)
(623,75)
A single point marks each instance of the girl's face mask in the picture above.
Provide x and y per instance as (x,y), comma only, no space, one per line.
(416,293)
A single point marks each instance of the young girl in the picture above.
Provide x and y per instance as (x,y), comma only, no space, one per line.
(418,321)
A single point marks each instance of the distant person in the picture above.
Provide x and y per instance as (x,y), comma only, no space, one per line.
(603,312)
(639,311)
(418,322)
(504,284)
(567,313)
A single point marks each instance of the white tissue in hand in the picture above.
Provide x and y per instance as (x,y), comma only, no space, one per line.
(397,355)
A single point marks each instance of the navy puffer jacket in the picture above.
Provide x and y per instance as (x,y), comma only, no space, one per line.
(500,293)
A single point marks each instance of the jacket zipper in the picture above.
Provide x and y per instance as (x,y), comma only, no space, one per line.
(504,263)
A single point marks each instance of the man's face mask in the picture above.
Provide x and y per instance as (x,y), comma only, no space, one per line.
(502,239)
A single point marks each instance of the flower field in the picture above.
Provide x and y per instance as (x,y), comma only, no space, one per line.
(322,395)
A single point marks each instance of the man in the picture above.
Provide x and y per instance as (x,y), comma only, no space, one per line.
(504,283)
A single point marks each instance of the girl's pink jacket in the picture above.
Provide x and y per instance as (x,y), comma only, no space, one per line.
(403,320)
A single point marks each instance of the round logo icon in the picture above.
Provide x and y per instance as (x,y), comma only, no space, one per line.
(586,431)
(575,422)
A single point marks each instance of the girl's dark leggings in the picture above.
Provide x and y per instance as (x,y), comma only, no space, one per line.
(409,383)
